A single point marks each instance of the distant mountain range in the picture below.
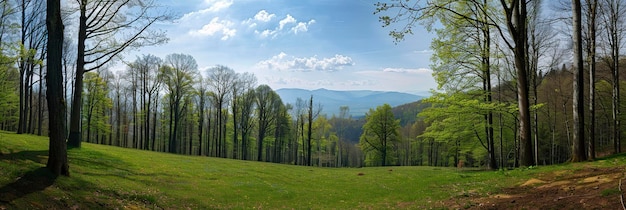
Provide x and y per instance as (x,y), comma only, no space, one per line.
(359,101)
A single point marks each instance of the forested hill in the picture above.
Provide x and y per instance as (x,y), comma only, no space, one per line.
(359,101)
(407,113)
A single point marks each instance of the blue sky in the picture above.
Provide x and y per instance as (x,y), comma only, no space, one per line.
(309,44)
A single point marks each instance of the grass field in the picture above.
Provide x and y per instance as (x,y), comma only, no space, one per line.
(111,177)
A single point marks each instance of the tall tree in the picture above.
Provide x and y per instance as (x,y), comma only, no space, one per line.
(103,33)
(267,103)
(221,79)
(379,131)
(578,137)
(97,101)
(613,18)
(242,84)
(57,153)
(592,10)
(246,107)
(32,38)
(178,74)
(516,22)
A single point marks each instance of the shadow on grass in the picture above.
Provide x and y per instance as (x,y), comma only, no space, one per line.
(40,156)
(33,181)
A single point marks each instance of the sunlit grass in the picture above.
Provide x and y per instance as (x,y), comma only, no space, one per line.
(112,177)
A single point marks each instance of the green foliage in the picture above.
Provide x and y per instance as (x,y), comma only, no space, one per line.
(458,121)
(96,105)
(9,95)
(379,133)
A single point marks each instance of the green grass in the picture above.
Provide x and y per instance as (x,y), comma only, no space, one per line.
(111,177)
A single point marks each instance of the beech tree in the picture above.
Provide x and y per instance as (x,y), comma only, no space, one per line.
(613,18)
(96,103)
(267,103)
(57,152)
(178,74)
(241,105)
(221,79)
(379,131)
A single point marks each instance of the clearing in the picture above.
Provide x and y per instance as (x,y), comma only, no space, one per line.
(105,177)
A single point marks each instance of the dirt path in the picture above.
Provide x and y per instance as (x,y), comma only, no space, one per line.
(587,188)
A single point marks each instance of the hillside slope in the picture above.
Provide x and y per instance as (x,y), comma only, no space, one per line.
(105,177)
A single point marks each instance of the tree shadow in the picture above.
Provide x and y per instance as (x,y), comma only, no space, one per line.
(40,156)
(33,181)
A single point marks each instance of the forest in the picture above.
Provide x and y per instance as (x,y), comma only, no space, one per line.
(521,83)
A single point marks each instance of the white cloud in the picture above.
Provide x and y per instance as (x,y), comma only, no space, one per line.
(264,16)
(285,21)
(213,6)
(266,33)
(217,5)
(302,27)
(283,62)
(214,27)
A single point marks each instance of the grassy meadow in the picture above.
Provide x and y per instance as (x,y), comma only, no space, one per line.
(105,177)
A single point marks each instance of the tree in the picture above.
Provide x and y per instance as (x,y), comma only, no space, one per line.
(592,10)
(242,85)
(267,103)
(379,131)
(103,33)
(312,115)
(32,40)
(613,18)
(97,101)
(221,79)
(246,108)
(578,137)
(57,153)
(178,74)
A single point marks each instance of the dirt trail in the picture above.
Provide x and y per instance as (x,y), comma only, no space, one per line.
(587,188)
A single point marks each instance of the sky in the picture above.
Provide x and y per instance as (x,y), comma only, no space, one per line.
(308,44)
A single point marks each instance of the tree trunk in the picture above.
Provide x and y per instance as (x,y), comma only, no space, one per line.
(309,132)
(591,54)
(57,154)
(578,143)
(75,133)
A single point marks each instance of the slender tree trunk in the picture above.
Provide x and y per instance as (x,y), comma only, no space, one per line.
(40,101)
(591,54)
(578,144)
(75,133)
(309,132)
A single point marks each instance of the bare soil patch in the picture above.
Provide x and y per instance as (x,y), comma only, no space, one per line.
(587,188)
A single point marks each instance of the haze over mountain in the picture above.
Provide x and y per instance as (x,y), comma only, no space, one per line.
(359,101)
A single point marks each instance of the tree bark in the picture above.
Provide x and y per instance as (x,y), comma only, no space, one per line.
(578,140)
(75,137)
(57,154)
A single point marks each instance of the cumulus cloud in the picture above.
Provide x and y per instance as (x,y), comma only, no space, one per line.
(216,27)
(285,21)
(302,27)
(284,62)
(264,16)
